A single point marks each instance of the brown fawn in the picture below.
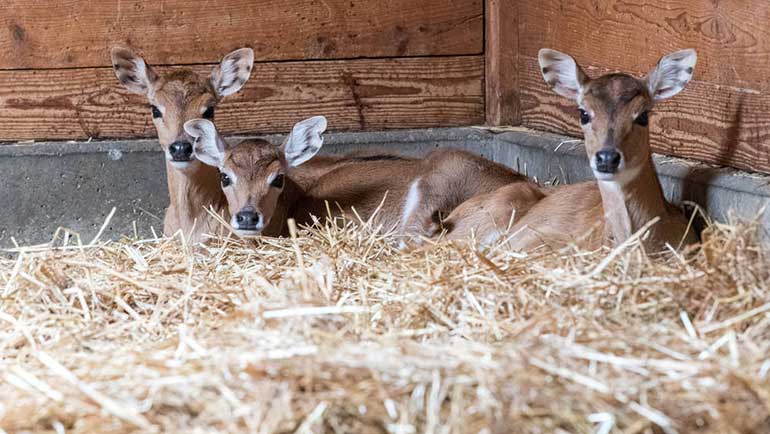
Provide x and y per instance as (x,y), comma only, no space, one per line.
(175,98)
(614,114)
(266,184)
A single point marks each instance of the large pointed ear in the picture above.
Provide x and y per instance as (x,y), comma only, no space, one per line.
(232,73)
(132,71)
(209,146)
(305,140)
(562,73)
(672,74)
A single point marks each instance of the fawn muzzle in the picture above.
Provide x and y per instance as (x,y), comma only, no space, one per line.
(607,161)
(181,151)
(248,220)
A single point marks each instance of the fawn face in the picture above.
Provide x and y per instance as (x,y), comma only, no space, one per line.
(181,95)
(615,108)
(253,172)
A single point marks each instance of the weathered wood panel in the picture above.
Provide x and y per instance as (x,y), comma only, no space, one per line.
(79,33)
(706,122)
(501,51)
(354,94)
(732,37)
(723,117)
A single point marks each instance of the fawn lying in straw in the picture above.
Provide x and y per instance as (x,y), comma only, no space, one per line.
(626,196)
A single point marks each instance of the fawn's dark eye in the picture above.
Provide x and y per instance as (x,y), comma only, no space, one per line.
(277,181)
(224,179)
(584,117)
(156,112)
(209,113)
(643,119)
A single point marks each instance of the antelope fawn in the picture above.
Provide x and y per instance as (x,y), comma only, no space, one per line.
(175,98)
(614,114)
(265,184)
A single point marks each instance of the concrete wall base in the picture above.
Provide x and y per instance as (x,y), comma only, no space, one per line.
(75,185)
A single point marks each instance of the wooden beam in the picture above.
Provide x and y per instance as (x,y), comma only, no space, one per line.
(502,80)
(371,94)
(79,33)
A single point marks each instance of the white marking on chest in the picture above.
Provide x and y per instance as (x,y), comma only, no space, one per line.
(624,176)
(613,187)
(616,211)
(411,202)
(410,205)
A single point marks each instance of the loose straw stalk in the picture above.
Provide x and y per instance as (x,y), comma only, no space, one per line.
(336,330)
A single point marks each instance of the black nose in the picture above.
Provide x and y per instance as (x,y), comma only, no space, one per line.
(181,151)
(607,161)
(248,219)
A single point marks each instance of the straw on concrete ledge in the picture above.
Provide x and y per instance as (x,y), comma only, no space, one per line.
(336,330)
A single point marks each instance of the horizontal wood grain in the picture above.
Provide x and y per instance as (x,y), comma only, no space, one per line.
(362,94)
(79,33)
(732,37)
(706,122)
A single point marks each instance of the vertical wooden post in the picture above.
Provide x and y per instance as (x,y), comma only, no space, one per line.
(502,53)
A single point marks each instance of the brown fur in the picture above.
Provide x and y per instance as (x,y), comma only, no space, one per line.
(183,95)
(491,215)
(590,213)
(191,192)
(613,101)
(448,177)
(550,221)
(587,221)
(194,189)
(252,162)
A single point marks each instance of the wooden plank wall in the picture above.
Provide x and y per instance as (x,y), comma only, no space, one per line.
(389,64)
(723,117)
(364,64)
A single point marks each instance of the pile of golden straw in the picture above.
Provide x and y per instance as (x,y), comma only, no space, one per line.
(338,331)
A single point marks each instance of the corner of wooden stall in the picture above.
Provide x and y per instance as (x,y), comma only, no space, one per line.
(721,118)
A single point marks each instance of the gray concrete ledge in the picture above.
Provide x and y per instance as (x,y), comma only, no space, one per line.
(719,191)
(76,184)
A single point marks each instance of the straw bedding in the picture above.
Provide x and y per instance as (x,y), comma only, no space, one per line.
(337,331)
